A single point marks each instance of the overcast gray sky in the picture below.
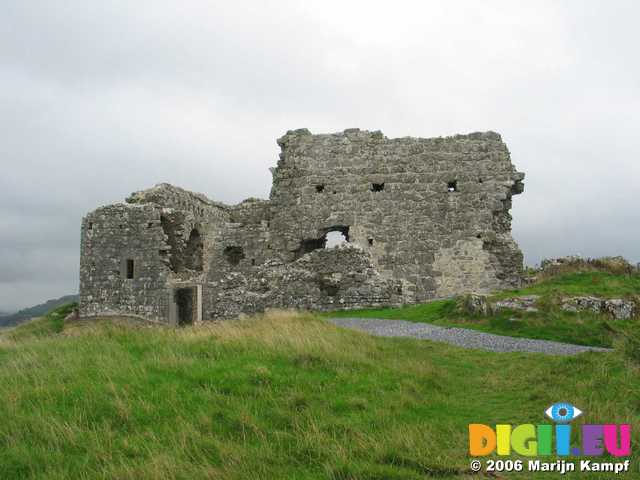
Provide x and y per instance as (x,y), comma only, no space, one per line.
(99,99)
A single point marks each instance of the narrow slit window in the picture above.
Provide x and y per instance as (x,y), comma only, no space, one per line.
(452,186)
(90,225)
(130,268)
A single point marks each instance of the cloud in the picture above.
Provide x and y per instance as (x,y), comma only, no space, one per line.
(101,99)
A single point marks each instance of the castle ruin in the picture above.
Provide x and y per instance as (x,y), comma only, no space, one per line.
(420,218)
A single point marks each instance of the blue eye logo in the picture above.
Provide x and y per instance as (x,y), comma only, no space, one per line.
(563,412)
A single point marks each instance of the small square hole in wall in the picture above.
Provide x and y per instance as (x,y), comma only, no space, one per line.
(150,225)
(377,187)
(480,180)
(452,186)
(370,241)
(319,188)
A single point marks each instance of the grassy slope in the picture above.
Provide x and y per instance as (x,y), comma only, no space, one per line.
(282,396)
(10,320)
(550,323)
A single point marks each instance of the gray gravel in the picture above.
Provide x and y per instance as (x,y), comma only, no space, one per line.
(460,337)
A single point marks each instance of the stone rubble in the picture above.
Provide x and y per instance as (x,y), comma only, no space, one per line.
(617,308)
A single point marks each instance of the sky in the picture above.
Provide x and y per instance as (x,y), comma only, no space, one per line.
(100,99)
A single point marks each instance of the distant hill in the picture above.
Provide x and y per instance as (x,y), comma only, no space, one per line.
(38,310)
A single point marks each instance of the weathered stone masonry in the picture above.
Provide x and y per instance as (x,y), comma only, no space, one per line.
(424,219)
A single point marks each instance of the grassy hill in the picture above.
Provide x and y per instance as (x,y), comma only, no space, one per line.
(10,320)
(282,395)
(549,323)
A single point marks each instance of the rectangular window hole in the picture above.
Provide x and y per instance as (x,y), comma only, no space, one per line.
(452,186)
(370,241)
(377,187)
(129,268)
(319,188)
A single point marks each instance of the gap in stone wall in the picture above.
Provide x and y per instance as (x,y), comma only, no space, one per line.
(193,251)
(335,238)
(234,254)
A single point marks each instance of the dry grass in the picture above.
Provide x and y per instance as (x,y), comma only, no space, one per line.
(281,395)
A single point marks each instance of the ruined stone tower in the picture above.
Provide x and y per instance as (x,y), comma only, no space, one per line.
(422,219)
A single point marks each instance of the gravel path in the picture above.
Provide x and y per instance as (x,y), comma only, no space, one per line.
(461,337)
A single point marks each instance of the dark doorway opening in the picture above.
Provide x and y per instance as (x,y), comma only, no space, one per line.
(185,299)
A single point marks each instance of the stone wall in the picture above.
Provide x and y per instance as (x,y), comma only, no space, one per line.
(411,202)
(112,236)
(424,219)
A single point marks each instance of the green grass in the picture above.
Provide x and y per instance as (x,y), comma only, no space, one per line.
(279,396)
(549,323)
(52,322)
(600,284)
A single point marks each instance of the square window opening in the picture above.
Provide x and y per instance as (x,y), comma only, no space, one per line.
(377,187)
(319,188)
(452,186)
